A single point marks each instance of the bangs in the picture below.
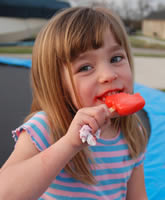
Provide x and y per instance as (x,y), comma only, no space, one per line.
(87,35)
(83,30)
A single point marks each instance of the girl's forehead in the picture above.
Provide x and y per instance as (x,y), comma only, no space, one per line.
(109,41)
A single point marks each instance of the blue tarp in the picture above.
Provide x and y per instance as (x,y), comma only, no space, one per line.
(154,164)
(16,62)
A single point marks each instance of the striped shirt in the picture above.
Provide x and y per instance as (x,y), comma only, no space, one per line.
(112,169)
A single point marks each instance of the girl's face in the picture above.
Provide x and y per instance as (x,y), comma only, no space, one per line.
(101,72)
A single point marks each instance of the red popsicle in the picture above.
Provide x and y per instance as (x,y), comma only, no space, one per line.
(125,104)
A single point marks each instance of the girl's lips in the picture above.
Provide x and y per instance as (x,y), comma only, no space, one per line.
(107,93)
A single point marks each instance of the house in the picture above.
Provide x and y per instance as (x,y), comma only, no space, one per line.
(154,24)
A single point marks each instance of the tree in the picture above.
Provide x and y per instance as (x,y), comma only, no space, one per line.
(160,6)
(143,8)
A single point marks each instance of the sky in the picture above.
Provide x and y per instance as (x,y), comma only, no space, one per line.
(154,3)
(125,8)
(133,2)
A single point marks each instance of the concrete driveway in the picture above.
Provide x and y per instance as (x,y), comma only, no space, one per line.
(150,71)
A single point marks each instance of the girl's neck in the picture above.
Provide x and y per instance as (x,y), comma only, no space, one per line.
(108,131)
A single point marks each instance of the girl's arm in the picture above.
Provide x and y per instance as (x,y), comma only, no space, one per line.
(27,173)
(136,186)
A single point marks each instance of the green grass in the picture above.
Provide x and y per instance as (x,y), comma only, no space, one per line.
(149,55)
(138,43)
(15,50)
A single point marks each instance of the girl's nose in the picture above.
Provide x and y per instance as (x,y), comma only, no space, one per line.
(107,74)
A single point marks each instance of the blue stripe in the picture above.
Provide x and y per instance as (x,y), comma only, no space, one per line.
(112,159)
(67,179)
(101,183)
(140,162)
(121,197)
(112,141)
(98,148)
(67,198)
(41,121)
(100,172)
(85,190)
(38,145)
(113,181)
(39,133)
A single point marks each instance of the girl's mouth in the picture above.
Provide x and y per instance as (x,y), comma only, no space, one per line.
(108,93)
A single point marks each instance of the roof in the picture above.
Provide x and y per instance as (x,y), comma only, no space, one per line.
(31,8)
(159,15)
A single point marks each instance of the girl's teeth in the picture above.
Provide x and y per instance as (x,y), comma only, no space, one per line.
(109,94)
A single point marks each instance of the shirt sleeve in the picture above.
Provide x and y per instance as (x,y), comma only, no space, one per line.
(38,129)
(140,160)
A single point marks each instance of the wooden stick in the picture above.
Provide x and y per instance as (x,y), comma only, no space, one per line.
(111,110)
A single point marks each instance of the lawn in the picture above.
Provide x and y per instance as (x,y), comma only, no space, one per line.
(141,43)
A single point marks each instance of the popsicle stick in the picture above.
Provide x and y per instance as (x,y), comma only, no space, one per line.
(111,110)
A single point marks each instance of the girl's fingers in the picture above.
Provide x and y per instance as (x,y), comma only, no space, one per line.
(89,120)
(95,117)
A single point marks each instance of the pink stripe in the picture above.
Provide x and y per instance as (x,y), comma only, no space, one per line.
(95,188)
(46,197)
(113,176)
(32,133)
(140,158)
(106,176)
(42,128)
(82,194)
(42,116)
(110,154)
(68,194)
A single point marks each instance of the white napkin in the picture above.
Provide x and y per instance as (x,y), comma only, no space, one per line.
(86,136)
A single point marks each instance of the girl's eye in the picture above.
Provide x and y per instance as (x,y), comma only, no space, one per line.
(116,59)
(85,68)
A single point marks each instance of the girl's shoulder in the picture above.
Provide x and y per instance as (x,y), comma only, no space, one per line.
(38,129)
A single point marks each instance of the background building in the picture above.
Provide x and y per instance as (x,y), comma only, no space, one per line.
(154,24)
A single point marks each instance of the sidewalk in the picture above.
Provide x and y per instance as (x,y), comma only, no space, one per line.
(148,71)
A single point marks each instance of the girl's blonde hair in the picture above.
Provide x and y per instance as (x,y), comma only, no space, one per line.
(69,33)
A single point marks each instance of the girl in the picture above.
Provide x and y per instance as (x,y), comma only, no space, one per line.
(81,56)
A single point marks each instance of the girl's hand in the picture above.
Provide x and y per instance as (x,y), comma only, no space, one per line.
(95,117)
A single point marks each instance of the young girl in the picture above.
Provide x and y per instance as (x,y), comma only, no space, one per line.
(81,56)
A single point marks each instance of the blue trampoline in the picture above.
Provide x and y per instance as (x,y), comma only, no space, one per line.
(154,164)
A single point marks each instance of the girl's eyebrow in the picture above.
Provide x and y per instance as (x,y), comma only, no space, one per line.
(89,53)
(115,47)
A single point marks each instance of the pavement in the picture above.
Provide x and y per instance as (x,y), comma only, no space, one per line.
(149,71)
